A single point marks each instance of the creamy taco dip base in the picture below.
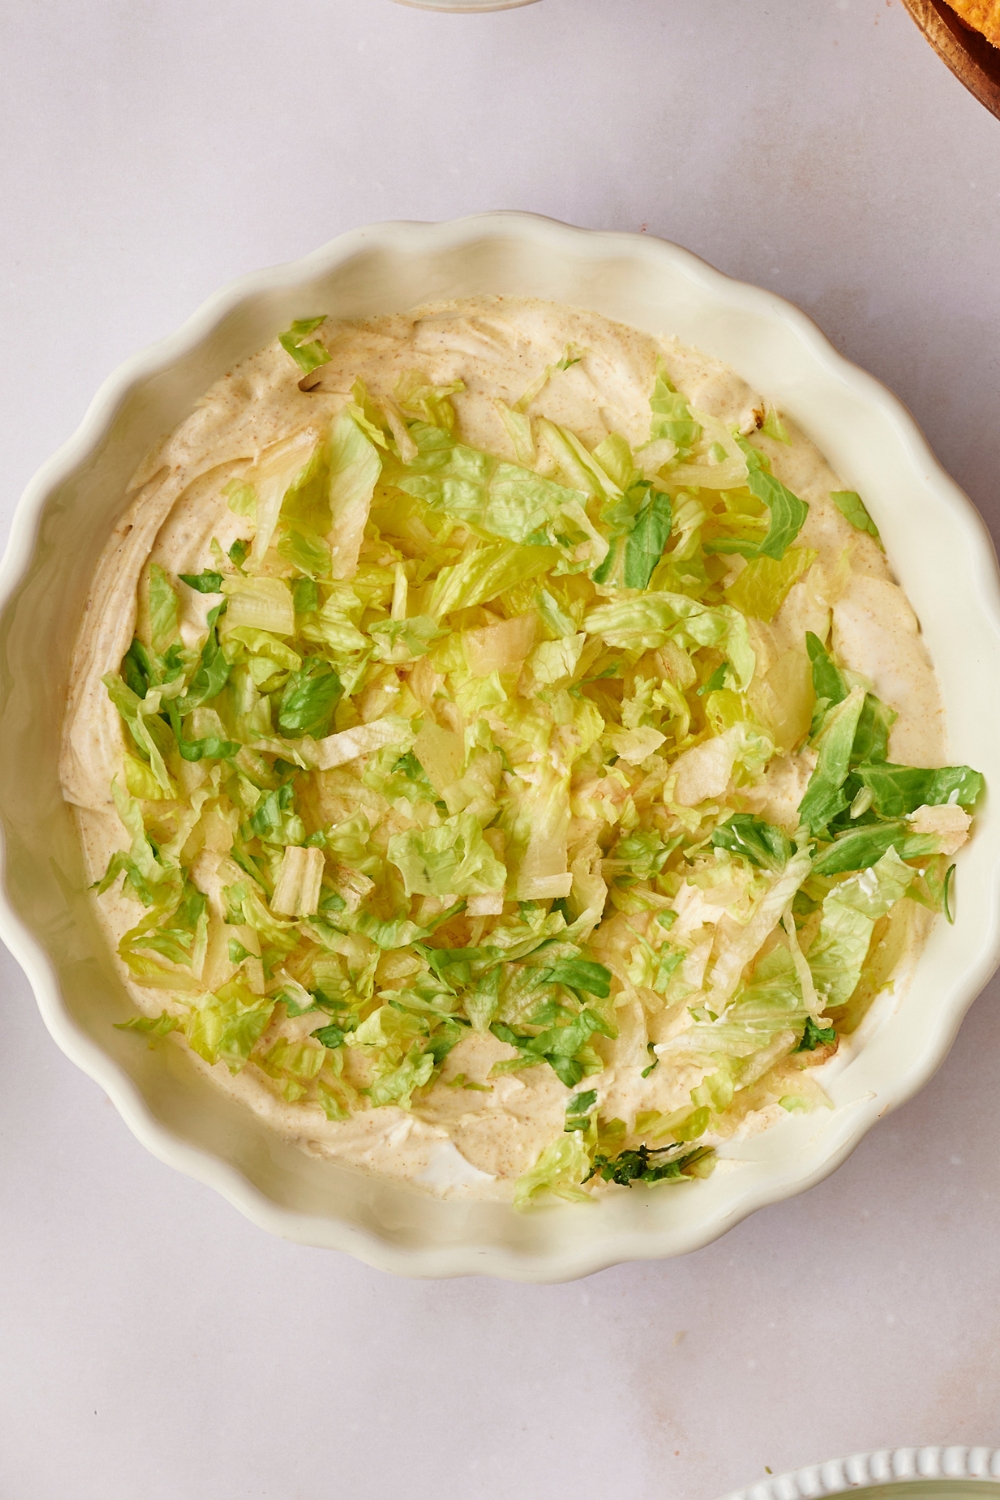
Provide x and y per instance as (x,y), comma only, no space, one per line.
(497,347)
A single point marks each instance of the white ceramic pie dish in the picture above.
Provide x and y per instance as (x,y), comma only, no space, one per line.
(935,539)
(890,1474)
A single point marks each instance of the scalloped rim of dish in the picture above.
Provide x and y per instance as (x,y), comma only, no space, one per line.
(588,1252)
(885,1466)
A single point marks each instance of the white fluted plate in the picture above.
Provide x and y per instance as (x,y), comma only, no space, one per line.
(937,543)
(889,1474)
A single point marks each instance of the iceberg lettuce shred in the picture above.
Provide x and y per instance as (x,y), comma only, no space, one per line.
(459,761)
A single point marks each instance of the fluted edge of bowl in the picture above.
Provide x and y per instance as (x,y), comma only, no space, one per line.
(884,1466)
(329,1232)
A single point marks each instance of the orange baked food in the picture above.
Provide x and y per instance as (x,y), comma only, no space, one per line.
(981,15)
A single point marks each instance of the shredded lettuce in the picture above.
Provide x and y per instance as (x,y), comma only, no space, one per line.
(309,698)
(850,912)
(163,611)
(655,619)
(758,841)
(473,487)
(852,507)
(639,1165)
(787,511)
(774,427)
(860,848)
(485,573)
(763,585)
(354,466)
(461,757)
(824,797)
(452,859)
(307,353)
(560,1170)
(671,415)
(899,790)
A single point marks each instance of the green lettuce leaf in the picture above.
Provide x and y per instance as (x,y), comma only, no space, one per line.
(353,468)
(152,1026)
(309,699)
(137,670)
(824,797)
(479,489)
(860,848)
(553,616)
(176,930)
(560,1169)
(563,1046)
(774,427)
(762,843)
(649,622)
(212,672)
(305,596)
(482,999)
(419,397)
(396,1085)
(163,609)
(404,640)
(764,584)
(148,731)
(306,551)
(851,505)
(900,790)
(639,1165)
(452,859)
(850,912)
(871,739)
(645,542)
(828,681)
(227,1029)
(274,818)
(581,974)
(484,573)
(788,512)
(307,354)
(203,583)
(209,747)
(671,415)
(578,1110)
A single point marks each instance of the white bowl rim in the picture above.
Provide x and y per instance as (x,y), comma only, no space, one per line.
(884,1466)
(324,1231)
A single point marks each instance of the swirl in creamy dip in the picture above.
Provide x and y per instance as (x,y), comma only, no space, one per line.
(644,751)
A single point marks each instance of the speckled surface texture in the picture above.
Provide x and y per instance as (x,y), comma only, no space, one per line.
(154,1342)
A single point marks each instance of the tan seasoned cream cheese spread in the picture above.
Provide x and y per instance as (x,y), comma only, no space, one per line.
(454,1141)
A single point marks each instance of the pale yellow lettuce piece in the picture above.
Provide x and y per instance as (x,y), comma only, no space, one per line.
(761,588)
(635,745)
(441,752)
(297,891)
(501,647)
(258,604)
(347,744)
(354,467)
(948,823)
(273,474)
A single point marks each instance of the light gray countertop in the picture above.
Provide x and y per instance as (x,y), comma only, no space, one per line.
(152,1343)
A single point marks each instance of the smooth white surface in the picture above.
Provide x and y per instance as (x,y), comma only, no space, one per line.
(152,152)
(466,7)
